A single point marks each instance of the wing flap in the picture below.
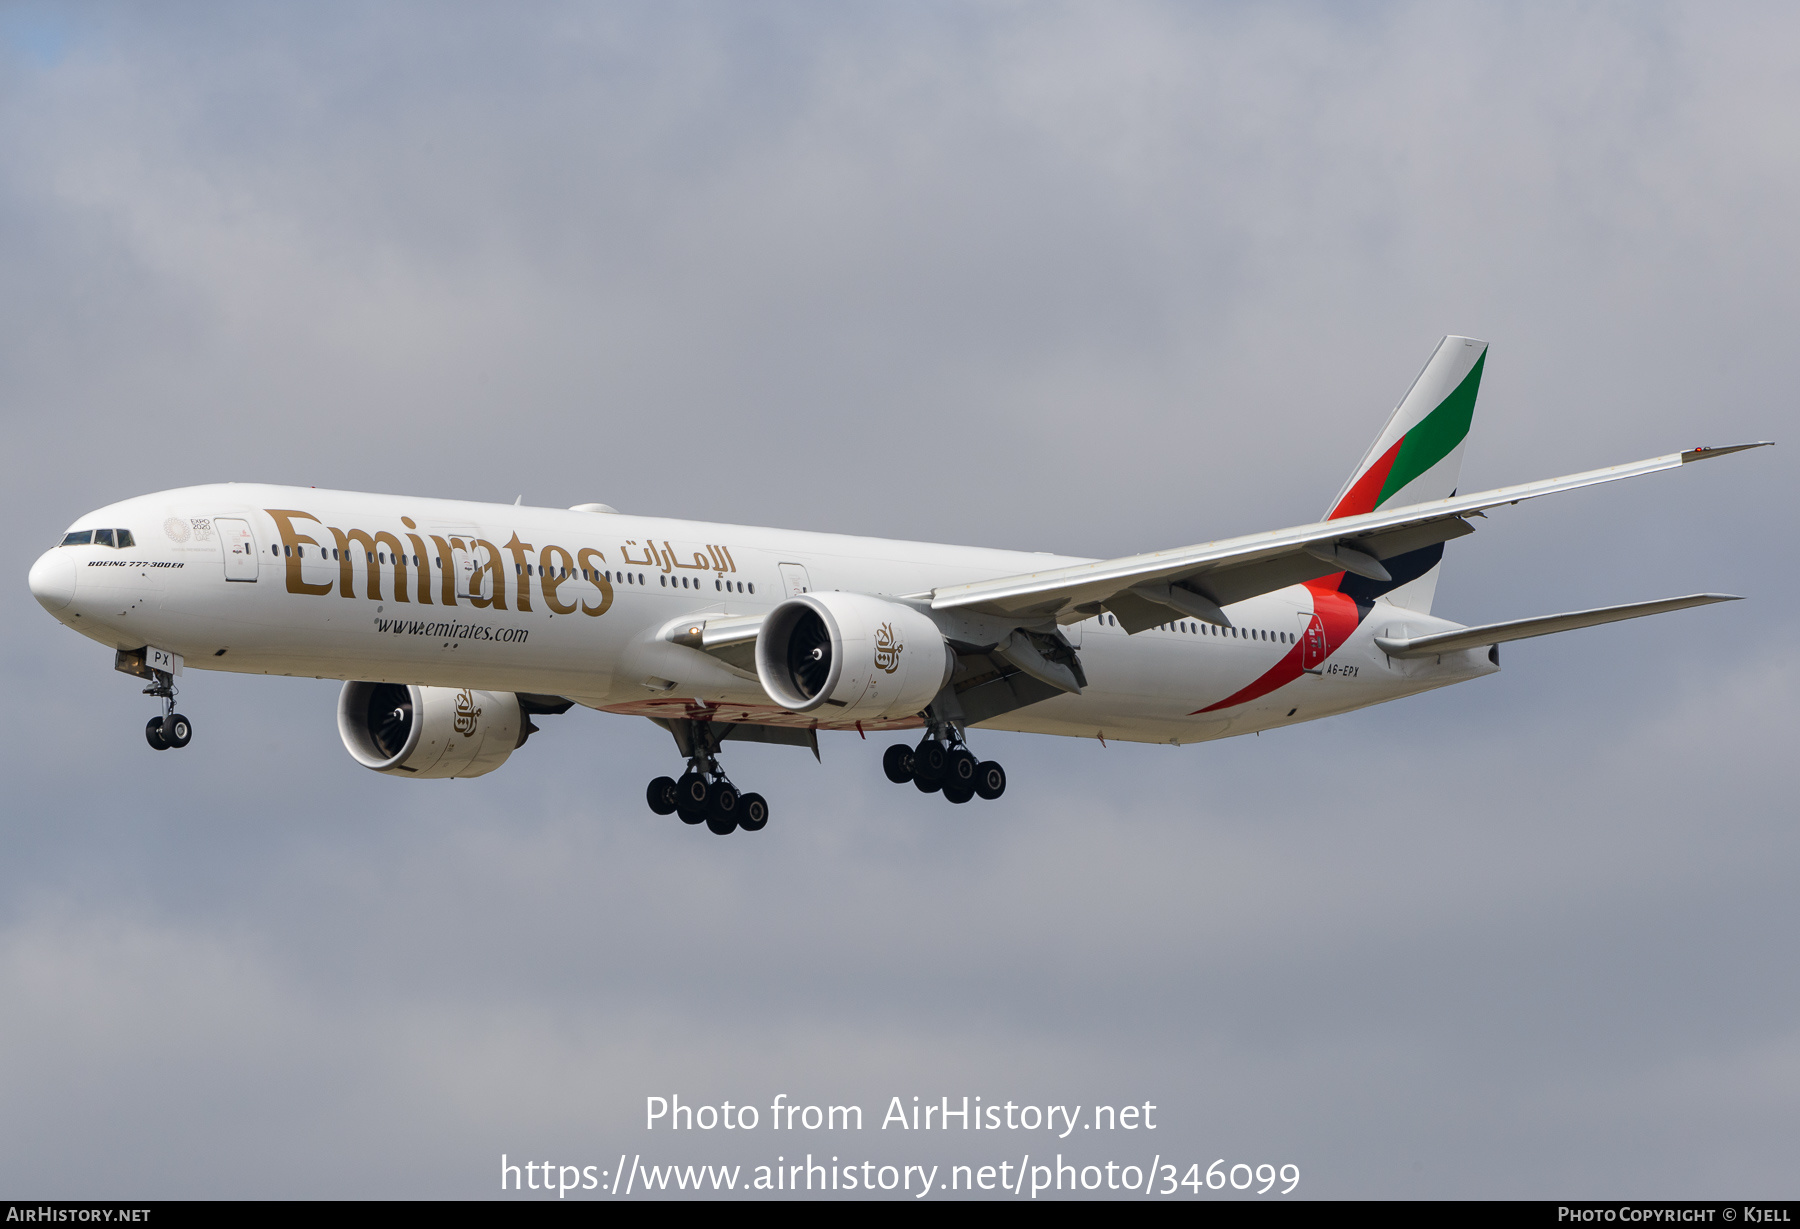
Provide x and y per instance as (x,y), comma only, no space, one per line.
(1544,625)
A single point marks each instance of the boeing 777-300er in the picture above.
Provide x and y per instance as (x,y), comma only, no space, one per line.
(441,618)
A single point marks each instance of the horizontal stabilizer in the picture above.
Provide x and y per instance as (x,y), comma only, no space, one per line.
(1524,629)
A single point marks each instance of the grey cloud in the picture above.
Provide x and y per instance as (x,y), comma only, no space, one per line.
(1079,278)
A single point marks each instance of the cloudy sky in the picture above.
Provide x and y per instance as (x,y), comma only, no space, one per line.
(1088,278)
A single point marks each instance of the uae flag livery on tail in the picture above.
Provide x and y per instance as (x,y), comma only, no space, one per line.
(1416,458)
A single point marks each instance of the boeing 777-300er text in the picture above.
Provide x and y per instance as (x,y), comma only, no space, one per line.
(441,617)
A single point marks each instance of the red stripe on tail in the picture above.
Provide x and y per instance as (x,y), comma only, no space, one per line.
(1361,496)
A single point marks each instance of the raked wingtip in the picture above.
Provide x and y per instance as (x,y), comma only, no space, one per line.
(1703,452)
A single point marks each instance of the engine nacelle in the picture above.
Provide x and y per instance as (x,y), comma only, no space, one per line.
(429,731)
(851,656)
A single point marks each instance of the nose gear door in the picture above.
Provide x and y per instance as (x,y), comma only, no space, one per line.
(239,545)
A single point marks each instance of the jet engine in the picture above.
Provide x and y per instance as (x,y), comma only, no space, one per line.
(429,731)
(851,656)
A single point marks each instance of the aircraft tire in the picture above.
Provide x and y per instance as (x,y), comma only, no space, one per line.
(177,730)
(990,780)
(896,762)
(153,734)
(721,825)
(691,798)
(958,794)
(959,769)
(661,795)
(723,802)
(753,812)
(927,787)
(929,761)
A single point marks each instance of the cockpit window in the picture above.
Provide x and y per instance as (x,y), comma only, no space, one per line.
(119,538)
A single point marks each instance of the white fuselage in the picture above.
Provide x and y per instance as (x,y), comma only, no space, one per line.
(294,592)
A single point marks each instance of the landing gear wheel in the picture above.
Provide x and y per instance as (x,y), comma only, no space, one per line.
(753,812)
(959,770)
(722,825)
(661,796)
(958,794)
(153,734)
(990,780)
(929,761)
(690,798)
(896,761)
(927,787)
(177,730)
(723,802)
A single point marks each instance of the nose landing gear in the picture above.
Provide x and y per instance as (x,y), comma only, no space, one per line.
(942,764)
(171,730)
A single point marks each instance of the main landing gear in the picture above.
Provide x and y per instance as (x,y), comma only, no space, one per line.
(171,729)
(944,766)
(704,795)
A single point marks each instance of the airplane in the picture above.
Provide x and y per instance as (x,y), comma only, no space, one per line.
(440,616)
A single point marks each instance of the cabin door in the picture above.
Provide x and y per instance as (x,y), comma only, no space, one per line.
(793,579)
(239,545)
(1312,640)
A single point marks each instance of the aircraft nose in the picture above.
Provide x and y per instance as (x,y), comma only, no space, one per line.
(53,579)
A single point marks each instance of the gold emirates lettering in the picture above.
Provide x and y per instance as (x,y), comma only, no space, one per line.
(553,567)
(466,713)
(887,649)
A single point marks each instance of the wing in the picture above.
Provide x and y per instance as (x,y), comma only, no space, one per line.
(1198,581)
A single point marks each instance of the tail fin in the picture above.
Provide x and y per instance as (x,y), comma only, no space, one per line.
(1416,458)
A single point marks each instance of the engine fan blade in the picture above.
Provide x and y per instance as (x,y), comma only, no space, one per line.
(390,717)
(809,655)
